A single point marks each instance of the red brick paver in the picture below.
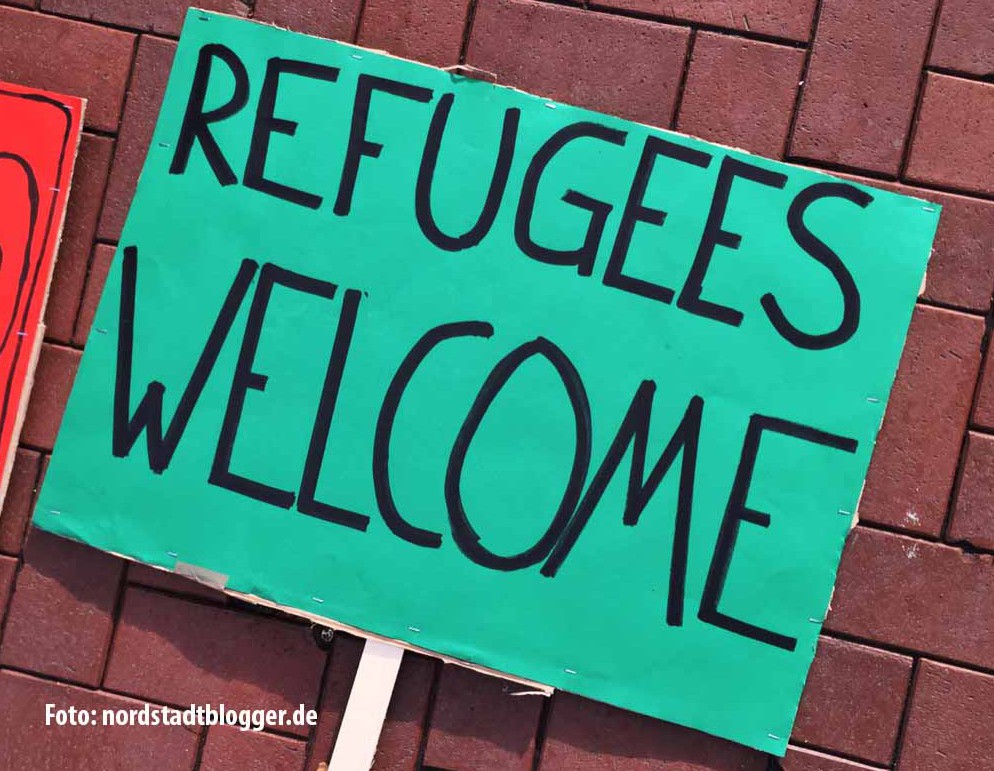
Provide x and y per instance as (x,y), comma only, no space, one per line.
(61,615)
(741,92)
(479,723)
(949,727)
(231,749)
(18,504)
(27,743)
(954,141)
(916,595)
(163,17)
(964,39)
(853,700)
(910,477)
(427,32)
(633,70)
(89,180)
(862,82)
(335,19)
(780,18)
(148,83)
(585,735)
(68,57)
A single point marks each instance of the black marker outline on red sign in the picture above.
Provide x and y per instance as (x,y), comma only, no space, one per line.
(32,182)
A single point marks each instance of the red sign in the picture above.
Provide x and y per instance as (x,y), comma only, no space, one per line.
(39,134)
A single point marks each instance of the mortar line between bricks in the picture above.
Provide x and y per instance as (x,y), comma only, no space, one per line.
(902,726)
(931,303)
(938,188)
(660,18)
(788,140)
(82,294)
(62,343)
(98,132)
(34,447)
(360,13)
(964,442)
(198,756)
(910,653)
(919,93)
(979,428)
(542,730)
(117,145)
(56,680)
(115,616)
(245,607)
(950,72)
(90,22)
(684,77)
(175,594)
(962,545)
(836,753)
(63,680)
(103,201)
(467,31)
(924,185)
(840,168)
(325,676)
(419,760)
(885,527)
(9,600)
(35,486)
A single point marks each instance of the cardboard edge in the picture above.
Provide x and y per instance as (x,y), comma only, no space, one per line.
(192,573)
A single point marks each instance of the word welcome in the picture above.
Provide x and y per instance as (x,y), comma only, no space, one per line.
(582,493)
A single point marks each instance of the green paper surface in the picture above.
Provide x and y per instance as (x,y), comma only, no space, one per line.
(599,626)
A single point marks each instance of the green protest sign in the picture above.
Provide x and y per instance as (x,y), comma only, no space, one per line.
(539,389)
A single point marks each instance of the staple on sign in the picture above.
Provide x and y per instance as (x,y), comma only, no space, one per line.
(55,512)
(318,600)
(202,575)
(172,554)
(413,629)
(872,400)
(570,671)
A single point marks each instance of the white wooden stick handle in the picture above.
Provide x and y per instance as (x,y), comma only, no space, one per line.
(367,707)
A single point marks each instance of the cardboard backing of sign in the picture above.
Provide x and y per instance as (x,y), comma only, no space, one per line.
(545,391)
(39,136)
